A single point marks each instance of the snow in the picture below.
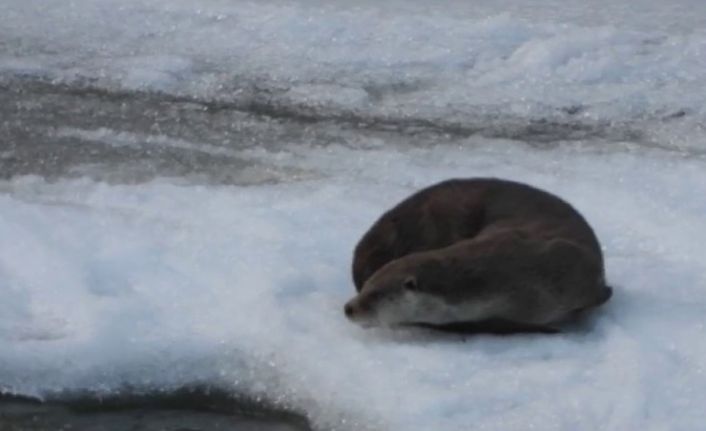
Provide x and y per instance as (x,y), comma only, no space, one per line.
(110,287)
(163,285)
(606,63)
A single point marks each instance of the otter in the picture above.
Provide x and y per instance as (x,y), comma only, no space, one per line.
(478,255)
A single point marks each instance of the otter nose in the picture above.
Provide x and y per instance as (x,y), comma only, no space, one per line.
(348,309)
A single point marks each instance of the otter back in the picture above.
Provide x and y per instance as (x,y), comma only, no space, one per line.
(459,209)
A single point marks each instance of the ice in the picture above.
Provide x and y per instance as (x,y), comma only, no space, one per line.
(161,285)
(135,140)
(328,95)
(153,72)
(607,62)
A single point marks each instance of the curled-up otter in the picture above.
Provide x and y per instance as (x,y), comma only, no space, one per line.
(478,255)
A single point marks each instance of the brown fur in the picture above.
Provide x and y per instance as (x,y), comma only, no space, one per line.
(470,239)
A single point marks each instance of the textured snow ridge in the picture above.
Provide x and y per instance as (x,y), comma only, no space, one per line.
(158,286)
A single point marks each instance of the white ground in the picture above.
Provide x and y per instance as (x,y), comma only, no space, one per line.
(162,284)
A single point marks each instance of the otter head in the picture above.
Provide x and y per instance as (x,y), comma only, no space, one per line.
(399,293)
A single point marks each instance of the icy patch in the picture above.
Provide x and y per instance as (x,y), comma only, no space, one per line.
(159,286)
(608,62)
(136,140)
(21,66)
(157,73)
(142,157)
(327,95)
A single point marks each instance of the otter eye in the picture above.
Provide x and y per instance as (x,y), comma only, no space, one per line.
(410,283)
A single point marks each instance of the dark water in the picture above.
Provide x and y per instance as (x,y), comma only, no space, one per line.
(185,410)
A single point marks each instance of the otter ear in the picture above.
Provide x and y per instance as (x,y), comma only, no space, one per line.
(410,283)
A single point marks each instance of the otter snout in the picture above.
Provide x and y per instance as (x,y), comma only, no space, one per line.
(348,310)
(355,311)
(352,309)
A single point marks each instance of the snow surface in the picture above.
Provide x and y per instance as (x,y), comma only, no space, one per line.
(159,285)
(156,286)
